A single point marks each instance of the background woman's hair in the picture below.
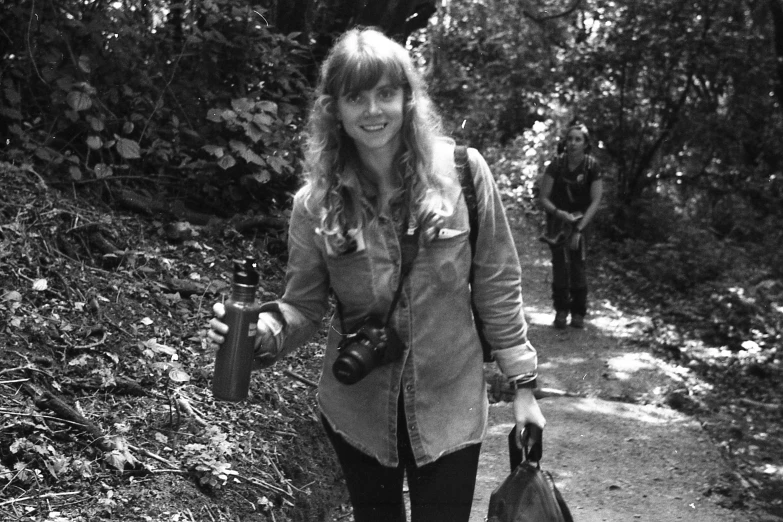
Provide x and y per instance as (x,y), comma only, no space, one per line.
(581,127)
(336,193)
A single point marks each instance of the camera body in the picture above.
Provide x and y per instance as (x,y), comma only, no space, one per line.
(368,345)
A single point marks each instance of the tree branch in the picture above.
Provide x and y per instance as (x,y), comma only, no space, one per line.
(543,18)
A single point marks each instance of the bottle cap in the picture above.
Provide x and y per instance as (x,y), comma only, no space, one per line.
(246,272)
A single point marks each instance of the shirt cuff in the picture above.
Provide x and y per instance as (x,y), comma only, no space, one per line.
(517,361)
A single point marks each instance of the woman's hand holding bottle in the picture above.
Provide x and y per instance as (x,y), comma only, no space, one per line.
(268,329)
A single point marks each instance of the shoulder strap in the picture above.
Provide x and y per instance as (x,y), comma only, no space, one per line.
(469,193)
(471,201)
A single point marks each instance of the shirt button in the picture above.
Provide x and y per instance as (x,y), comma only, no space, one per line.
(409,387)
(412,427)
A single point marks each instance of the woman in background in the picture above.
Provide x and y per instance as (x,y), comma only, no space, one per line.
(571,191)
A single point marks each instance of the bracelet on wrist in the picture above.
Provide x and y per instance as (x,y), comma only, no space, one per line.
(527,380)
(531,384)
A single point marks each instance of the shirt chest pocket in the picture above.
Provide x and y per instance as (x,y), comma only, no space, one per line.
(448,257)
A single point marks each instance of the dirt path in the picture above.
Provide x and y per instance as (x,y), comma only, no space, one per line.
(613,459)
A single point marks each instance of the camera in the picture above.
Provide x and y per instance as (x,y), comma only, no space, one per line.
(369,345)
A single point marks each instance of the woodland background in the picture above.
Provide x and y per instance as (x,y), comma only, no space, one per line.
(146,143)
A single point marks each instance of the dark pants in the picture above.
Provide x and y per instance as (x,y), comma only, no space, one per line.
(569,281)
(441,491)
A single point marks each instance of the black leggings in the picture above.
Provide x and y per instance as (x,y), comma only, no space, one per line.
(441,491)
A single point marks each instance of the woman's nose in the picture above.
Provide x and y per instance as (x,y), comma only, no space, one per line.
(372,105)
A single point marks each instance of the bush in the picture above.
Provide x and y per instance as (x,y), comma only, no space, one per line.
(212,99)
(665,247)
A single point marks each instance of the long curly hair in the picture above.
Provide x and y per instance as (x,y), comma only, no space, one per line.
(336,193)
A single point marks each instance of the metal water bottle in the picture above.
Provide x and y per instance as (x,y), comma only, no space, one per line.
(234,360)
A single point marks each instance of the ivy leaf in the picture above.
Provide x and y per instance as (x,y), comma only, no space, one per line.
(226,162)
(13,96)
(251,157)
(94,142)
(179,376)
(96,123)
(267,106)
(215,150)
(84,63)
(128,149)
(78,101)
(214,115)
(277,163)
(102,170)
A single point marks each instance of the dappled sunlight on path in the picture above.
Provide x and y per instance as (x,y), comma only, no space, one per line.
(617,453)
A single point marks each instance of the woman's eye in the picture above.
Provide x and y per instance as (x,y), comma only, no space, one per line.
(352,98)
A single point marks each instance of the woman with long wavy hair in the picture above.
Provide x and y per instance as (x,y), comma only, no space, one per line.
(381,224)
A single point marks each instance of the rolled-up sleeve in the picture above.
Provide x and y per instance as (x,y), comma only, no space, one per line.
(306,296)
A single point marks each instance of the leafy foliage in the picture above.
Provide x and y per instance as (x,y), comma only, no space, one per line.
(154,99)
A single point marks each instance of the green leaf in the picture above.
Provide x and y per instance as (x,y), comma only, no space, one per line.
(251,157)
(267,106)
(9,113)
(128,149)
(96,124)
(94,142)
(102,170)
(79,101)
(179,376)
(214,115)
(226,162)
(12,95)
(215,150)
(84,64)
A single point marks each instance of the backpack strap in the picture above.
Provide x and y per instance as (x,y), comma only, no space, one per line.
(469,193)
(471,201)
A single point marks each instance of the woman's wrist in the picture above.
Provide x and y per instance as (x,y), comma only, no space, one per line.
(527,380)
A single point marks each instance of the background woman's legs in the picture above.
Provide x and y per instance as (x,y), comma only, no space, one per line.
(561,295)
(578,284)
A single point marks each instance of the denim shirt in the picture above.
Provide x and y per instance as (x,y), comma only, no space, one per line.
(440,375)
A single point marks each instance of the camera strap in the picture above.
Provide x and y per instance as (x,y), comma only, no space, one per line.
(409,247)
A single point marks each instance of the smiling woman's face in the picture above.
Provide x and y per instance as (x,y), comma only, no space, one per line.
(373,117)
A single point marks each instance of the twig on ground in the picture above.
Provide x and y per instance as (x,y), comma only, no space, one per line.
(38,497)
(185,405)
(151,455)
(769,406)
(44,399)
(265,485)
(299,378)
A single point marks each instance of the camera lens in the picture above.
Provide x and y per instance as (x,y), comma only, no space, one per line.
(355,361)
(348,368)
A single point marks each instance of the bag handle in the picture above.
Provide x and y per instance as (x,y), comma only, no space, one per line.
(532,445)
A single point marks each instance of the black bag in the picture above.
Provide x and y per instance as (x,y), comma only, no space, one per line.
(528,494)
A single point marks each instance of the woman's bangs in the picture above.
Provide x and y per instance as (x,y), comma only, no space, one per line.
(365,73)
